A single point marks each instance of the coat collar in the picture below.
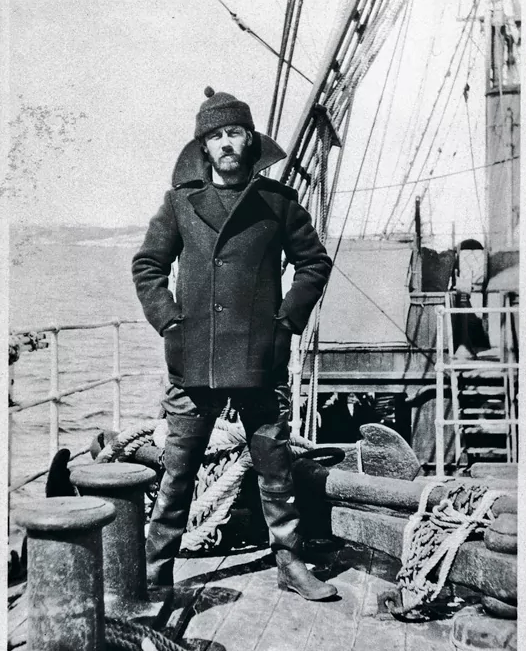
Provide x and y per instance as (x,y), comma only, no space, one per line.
(193,169)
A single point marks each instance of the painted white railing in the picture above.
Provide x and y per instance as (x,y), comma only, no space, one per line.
(441,368)
(56,395)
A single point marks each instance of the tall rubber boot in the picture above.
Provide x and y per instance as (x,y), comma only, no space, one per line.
(272,462)
(184,450)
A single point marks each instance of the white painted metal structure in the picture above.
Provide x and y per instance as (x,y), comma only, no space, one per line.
(453,366)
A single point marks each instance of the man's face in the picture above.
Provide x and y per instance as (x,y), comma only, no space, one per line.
(227,148)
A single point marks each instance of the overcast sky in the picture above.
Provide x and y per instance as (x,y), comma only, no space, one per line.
(104,94)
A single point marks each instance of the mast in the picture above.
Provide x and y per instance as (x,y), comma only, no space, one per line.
(503,124)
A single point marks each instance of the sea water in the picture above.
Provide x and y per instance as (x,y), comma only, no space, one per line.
(54,283)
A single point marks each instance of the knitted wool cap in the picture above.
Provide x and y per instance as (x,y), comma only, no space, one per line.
(219,110)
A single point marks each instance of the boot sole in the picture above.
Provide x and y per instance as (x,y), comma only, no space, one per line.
(286,588)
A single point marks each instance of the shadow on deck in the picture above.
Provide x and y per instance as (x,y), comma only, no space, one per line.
(232,603)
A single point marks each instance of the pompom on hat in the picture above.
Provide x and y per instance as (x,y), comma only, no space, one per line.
(220,109)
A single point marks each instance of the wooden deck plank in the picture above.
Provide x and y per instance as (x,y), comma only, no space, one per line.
(247,620)
(238,607)
(382,578)
(383,635)
(221,593)
(336,622)
(190,578)
(431,636)
(289,627)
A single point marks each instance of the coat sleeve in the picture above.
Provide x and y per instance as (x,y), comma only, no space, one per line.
(151,266)
(312,267)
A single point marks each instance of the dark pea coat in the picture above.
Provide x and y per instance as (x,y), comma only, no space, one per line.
(228,305)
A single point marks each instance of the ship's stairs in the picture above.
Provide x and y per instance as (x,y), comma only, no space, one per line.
(484,400)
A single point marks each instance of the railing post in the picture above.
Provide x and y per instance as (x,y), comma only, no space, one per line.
(54,414)
(10,423)
(440,411)
(510,393)
(117,374)
(295,370)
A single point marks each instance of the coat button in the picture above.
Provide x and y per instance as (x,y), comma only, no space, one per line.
(218,262)
(218,307)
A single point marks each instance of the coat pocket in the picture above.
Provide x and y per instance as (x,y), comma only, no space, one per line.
(174,350)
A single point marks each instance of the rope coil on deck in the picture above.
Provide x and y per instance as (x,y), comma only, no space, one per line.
(130,636)
(432,540)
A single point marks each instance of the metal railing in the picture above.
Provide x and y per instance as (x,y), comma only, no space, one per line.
(56,395)
(441,368)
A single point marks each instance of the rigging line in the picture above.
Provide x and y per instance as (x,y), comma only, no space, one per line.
(300,40)
(282,53)
(441,147)
(481,220)
(378,307)
(402,212)
(461,58)
(430,178)
(360,170)
(430,147)
(245,28)
(406,19)
(433,108)
(415,113)
(293,38)
(338,244)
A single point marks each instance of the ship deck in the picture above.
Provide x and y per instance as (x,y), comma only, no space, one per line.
(232,603)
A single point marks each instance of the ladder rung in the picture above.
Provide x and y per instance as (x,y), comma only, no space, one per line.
(486,429)
(482,392)
(495,411)
(490,452)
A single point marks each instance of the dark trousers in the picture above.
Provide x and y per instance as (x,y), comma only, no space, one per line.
(191,414)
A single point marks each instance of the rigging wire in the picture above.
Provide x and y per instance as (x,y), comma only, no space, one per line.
(379,307)
(411,128)
(282,53)
(245,28)
(430,178)
(300,40)
(287,70)
(439,125)
(442,147)
(406,19)
(428,122)
(361,166)
(466,95)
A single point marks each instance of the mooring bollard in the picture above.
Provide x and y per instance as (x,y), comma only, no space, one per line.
(64,575)
(122,485)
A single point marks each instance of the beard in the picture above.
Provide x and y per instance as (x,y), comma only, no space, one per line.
(227,163)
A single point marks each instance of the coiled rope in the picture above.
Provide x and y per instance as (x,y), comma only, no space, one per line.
(432,540)
(130,636)
(126,444)
(120,634)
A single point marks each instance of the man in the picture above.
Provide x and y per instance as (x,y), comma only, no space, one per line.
(228,332)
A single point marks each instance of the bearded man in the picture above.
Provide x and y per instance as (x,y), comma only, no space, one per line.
(227,334)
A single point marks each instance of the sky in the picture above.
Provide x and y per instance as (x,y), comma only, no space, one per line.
(103,96)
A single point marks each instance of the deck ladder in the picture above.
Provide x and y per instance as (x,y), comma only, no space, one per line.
(459,372)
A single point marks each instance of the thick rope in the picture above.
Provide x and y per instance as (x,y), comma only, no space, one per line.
(211,508)
(432,540)
(126,443)
(218,481)
(129,636)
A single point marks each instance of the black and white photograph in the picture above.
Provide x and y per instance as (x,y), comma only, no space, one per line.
(261,279)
